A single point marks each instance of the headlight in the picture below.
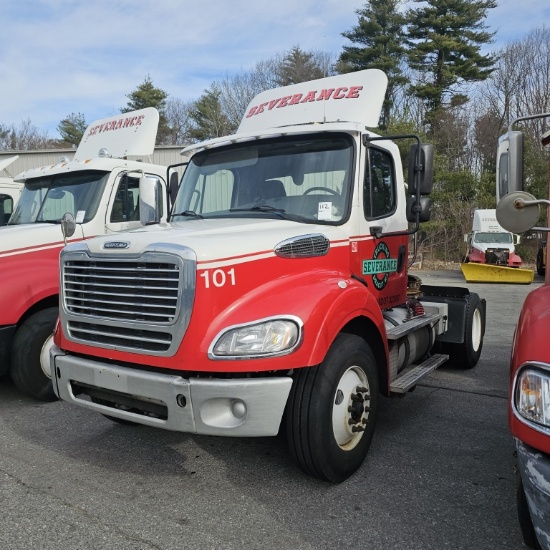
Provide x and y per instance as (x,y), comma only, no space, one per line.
(533,396)
(264,338)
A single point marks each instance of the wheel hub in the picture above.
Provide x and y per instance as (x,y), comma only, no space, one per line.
(350,413)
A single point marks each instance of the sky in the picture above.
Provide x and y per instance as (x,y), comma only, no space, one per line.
(79,56)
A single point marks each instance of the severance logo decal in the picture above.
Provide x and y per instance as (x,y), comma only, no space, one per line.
(380,266)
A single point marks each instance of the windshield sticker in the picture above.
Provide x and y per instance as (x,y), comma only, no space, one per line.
(380,266)
(79,218)
(324,211)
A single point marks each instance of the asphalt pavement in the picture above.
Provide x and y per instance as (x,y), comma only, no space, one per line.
(439,475)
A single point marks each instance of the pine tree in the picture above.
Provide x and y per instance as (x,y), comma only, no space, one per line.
(445,38)
(378,40)
(209,120)
(72,128)
(297,66)
(147,95)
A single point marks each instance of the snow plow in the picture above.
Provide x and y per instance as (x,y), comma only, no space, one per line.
(492,273)
(491,256)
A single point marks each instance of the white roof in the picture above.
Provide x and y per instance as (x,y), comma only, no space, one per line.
(125,134)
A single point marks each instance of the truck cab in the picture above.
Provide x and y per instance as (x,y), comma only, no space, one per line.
(489,243)
(278,293)
(100,189)
(9,192)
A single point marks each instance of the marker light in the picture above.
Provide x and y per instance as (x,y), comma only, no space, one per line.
(533,396)
(266,338)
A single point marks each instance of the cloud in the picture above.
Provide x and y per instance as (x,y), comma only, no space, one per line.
(64,56)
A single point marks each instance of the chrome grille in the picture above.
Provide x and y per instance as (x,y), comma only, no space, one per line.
(304,246)
(137,291)
(139,303)
(137,339)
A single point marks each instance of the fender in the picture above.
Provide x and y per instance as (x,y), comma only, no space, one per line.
(324,300)
(530,344)
(26,280)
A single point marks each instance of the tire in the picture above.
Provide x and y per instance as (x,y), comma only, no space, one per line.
(26,370)
(541,269)
(524,517)
(466,355)
(326,403)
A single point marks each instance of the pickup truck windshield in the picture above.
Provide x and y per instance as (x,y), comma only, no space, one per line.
(46,199)
(493,238)
(306,178)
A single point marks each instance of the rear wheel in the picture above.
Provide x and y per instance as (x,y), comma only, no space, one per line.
(29,363)
(331,411)
(466,354)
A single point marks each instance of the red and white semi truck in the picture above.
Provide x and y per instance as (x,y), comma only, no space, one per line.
(278,292)
(100,187)
(529,396)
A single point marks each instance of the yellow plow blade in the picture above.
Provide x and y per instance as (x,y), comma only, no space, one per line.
(488,273)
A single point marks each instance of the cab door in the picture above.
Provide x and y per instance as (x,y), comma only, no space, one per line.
(123,209)
(381,255)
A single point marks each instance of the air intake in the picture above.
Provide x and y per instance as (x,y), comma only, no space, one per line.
(304,246)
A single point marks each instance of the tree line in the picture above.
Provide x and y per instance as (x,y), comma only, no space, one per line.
(440,85)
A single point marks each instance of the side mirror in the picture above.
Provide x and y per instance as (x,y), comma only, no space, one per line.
(509,164)
(518,212)
(424,209)
(420,177)
(517,239)
(149,201)
(68,226)
(466,237)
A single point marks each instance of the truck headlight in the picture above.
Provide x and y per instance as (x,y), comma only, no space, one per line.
(268,337)
(533,396)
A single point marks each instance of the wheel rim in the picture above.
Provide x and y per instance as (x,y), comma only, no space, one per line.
(477,329)
(45,356)
(351,406)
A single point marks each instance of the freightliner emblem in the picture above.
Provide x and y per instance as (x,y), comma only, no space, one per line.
(116,244)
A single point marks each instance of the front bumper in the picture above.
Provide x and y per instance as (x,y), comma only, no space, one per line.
(239,407)
(534,468)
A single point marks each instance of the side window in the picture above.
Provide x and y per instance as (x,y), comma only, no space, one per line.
(126,203)
(6,208)
(379,187)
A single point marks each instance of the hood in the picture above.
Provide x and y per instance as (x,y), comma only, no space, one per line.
(494,246)
(214,239)
(31,236)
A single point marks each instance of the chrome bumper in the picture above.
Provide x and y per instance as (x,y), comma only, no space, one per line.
(534,468)
(240,407)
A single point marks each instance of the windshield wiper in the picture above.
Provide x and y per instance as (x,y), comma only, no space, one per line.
(188,214)
(281,212)
(48,221)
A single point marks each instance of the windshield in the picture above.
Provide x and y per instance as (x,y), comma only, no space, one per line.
(45,200)
(493,238)
(303,178)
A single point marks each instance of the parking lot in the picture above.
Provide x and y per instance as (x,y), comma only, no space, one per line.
(440,472)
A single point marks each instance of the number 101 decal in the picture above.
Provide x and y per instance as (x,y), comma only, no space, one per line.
(218,277)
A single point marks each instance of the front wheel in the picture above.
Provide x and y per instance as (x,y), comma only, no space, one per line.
(29,367)
(466,354)
(331,411)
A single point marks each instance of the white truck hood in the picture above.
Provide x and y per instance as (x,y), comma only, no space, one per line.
(19,239)
(214,240)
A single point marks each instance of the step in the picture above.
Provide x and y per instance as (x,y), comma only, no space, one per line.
(412,375)
(394,333)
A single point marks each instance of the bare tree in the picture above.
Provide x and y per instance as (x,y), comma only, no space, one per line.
(24,137)
(177,113)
